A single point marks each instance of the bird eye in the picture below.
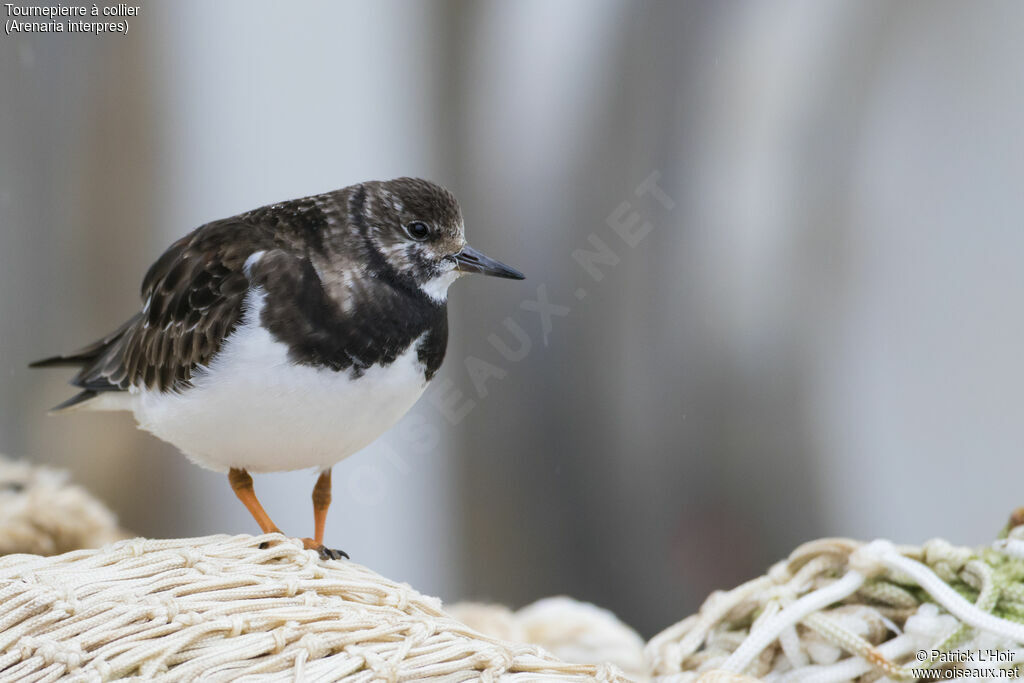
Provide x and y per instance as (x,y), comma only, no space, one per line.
(418,230)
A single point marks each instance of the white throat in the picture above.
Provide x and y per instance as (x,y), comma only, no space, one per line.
(437,288)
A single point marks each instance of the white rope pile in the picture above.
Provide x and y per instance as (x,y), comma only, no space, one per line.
(837,610)
(222,609)
(42,513)
(571,630)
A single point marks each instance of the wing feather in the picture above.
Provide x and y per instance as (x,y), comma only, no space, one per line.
(193,297)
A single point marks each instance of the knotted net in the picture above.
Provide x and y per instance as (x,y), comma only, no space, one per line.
(221,608)
(837,610)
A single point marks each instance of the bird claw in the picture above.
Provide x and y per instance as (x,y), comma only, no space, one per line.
(324,552)
(331,554)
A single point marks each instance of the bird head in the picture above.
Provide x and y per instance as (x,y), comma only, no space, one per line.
(416,227)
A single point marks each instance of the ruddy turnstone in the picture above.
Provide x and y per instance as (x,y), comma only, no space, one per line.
(288,337)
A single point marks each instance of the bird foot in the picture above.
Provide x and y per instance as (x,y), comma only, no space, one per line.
(265,544)
(325,552)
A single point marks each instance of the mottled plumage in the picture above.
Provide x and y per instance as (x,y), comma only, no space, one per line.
(343,284)
(289,336)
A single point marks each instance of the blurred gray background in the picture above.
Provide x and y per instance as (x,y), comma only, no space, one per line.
(821,336)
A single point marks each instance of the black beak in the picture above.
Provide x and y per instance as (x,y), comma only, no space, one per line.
(470,260)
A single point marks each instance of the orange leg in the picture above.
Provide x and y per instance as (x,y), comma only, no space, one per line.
(241,484)
(321,501)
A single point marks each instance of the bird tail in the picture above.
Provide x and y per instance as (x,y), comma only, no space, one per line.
(86,354)
(76,400)
(87,358)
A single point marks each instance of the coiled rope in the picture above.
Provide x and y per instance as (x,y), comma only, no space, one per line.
(222,608)
(837,610)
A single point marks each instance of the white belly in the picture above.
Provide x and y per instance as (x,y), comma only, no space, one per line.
(254,409)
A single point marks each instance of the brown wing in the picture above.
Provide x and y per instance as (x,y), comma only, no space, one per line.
(193,298)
